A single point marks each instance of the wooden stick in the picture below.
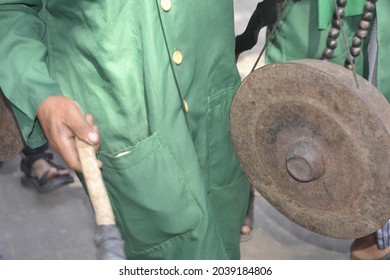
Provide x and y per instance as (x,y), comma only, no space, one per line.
(97,191)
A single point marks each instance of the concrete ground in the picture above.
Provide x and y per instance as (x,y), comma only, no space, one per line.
(56,225)
(60,225)
(277,238)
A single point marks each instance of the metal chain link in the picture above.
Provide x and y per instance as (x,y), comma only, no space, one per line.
(361,34)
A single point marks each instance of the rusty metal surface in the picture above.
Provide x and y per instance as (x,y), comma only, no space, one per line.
(11,142)
(316,146)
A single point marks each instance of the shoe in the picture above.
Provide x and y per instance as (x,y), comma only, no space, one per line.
(246,233)
(365,248)
(43,184)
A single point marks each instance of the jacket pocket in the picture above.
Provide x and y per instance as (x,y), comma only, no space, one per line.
(224,165)
(149,194)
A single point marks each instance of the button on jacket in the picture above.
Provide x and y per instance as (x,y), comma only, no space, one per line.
(159,77)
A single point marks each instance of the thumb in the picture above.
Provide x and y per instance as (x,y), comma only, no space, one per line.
(83,127)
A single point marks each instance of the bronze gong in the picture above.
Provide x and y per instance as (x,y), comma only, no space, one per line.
(315,145)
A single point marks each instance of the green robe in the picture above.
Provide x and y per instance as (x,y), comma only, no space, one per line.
(304,28)
(175,183)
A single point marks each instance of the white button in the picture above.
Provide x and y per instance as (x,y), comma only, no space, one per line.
(166,5)
(177,57)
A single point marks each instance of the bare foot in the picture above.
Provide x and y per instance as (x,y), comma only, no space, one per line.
(40,166)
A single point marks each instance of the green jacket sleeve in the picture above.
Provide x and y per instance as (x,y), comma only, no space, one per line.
(24,77)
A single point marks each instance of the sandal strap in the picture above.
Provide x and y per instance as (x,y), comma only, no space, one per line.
(27,162)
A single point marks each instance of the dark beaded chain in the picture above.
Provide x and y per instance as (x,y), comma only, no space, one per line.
(362,32)
(360,35)
(334,32)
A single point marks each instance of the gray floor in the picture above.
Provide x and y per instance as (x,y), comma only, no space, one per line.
(60,225)
(277,238)
(56,225)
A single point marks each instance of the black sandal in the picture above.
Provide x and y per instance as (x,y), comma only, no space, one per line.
(43,184)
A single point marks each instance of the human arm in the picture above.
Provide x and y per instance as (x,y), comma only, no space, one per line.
(25,80)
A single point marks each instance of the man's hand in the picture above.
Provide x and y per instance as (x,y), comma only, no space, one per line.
(62,120)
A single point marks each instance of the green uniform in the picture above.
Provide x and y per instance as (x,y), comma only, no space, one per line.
(159,79)
(304,28)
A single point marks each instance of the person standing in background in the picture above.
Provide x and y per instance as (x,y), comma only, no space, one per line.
(158,77)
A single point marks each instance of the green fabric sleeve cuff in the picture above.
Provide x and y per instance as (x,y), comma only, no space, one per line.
(24,77)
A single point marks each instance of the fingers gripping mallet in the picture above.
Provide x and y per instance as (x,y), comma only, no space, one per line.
(108,239)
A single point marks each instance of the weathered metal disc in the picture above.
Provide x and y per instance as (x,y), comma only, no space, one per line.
(11,141)
(316,146)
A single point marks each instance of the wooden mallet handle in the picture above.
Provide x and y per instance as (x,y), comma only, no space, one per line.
(108,240)
(96,189)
